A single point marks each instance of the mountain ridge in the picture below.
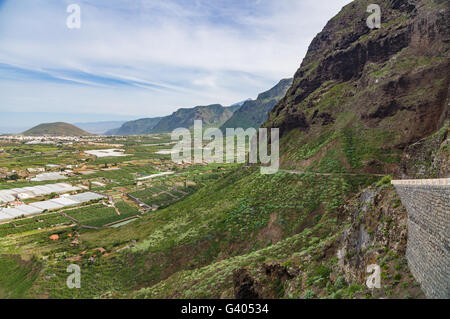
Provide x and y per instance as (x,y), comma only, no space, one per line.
(400,71)
(253,113)
(211,115)
(136,127)
(99,127)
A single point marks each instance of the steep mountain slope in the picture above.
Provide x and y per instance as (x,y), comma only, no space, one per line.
(255,112)
(363,101)
(56,129)
(211,115)
(141,126)
(361,95)
(241,103)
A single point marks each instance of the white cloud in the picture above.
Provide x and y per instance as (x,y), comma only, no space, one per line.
(196,52)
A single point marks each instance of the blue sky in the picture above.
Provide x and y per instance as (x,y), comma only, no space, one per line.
(147,58)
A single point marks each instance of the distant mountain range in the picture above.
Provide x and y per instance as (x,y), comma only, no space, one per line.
(137,127)
(253,113)
(55,129)
(212,116)
(99,127)
(245,114)
(241,103)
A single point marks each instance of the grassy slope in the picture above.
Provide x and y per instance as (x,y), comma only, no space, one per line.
(16,276)
(235,215)
(254,112)
(212,115)
(193,248)
(56,129)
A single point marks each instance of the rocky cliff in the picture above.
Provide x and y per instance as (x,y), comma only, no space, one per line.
(362,95)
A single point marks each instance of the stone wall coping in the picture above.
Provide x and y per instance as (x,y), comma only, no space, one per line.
(435,181)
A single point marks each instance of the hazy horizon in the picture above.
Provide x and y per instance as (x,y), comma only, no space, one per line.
(149,58)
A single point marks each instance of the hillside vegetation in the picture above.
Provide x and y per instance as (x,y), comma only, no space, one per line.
(56,129)
(361,102)
(253,113)
(138,127)
(211,115)
(361,96)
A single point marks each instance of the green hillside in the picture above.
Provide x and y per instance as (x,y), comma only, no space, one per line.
(361,96)
(211,115)
(253,113)
(56,129)
(138,127)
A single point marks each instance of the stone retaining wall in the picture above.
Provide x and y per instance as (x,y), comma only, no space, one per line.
(428,206)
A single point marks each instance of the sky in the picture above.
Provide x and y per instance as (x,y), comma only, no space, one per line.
(145,58)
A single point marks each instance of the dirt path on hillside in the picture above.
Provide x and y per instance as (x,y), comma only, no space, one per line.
(327,174)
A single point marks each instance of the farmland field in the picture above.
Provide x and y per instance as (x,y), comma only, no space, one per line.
(99,215)
(29,224)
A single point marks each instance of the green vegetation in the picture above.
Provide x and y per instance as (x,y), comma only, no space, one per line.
(16,276)
(34,223)
(56,129)
(345,124)
(211,115)
(253,113)
(99,215)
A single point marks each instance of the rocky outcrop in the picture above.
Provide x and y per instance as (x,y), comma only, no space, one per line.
(244,285)
(427,158)
(376,234)
(265,281)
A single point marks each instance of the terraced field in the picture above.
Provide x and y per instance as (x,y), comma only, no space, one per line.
(100,215)
(162,195)
(35,223)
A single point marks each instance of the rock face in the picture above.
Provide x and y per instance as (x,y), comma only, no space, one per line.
(427,158)
(377,234)
(253,113)
(244,285)
(389,84)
